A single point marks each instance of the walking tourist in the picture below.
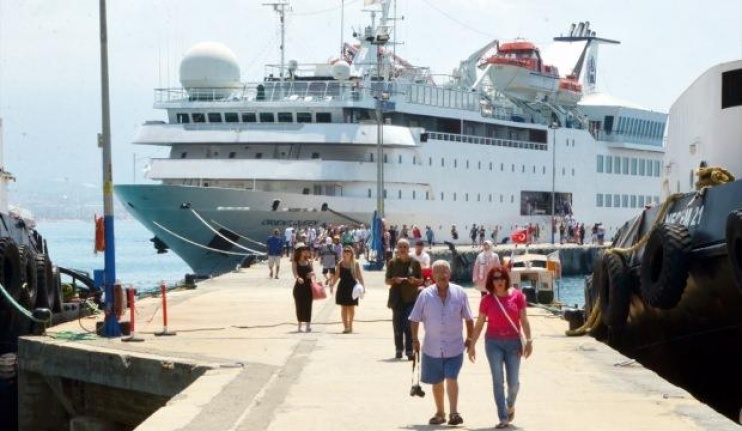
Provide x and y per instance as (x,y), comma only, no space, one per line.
(504,310)
(442,308)
(421,255)
(303,277)
(404,276)
(349,273)
(486,260)
(275,251)
(328,260)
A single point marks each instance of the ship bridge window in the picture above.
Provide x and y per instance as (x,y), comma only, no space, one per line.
(608,124)
(249,117)
(267,117)
(625,166)
(324,117)
(232,154)
(608,164)
(599,200)
(258,155)
(285,117)
(231,117)
(184,154)
(616,165)
(633,166)
(731,88)
(215,117)
(633,201)
(182,118)
(315,155)
(642,170)
(386,159)
(303,117)
(199,117)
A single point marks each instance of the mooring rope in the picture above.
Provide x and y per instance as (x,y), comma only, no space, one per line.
(21,309)
(184,239)
(224,237)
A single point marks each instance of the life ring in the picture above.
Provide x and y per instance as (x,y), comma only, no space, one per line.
(100,234)
(664,267)
(734,245)
(10,268)
(615,295)
(45,297)
(29,279)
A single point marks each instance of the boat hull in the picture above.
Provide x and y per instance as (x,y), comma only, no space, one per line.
(695,343)
(522,83)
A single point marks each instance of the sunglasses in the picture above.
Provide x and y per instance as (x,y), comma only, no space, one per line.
(498,278)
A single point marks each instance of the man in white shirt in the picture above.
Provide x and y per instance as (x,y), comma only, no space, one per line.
(421,255)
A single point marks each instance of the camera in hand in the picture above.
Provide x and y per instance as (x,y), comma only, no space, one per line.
(417,391)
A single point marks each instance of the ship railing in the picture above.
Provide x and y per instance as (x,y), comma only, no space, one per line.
(324,91)
(481,140)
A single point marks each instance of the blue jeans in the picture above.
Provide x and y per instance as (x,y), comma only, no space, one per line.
(504,352)
(402,332)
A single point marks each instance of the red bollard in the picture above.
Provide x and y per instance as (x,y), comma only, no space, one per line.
(163,291)
(130,294)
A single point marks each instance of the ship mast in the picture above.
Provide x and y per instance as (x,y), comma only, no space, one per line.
(280,8)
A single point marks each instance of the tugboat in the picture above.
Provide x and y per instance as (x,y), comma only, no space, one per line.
(669,292)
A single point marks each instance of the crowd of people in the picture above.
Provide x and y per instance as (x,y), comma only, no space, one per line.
(420,293)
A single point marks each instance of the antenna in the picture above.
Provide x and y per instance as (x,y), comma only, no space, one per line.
(280,8)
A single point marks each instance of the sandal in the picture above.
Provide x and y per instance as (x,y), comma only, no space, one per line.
(502,425)
(438,419)
(455,419)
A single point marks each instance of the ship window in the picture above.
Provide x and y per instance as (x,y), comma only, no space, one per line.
(512,167)
(600,163)
(534,169)
(479,165)
(599,200)
(414,160)
(455,163)
(413,194)
(625,201)
(641,167)
(315,155)
(608,164)
(199,117)
(573,172)
(466,197)
(443,163)
(563,171)
(215,117)
(430,161)
(731,88)
(454,196)
(500,198)
(285,117)
(467,164)
(479,197)
(369,193)
(608,123)
(399,194)
(384,193)
(305,191)
(625,166)
(324,117)
(399,159)
(249,117)
(523,168)
(490,197)
(231,117)
(616,165)
(232,154)
(633,201)
(608,200)
(303,117)
(427,195)
(502,166)
(441,195)
(371,157)
(649,168)
(386,158)
(258,155)
(617,201)
(641,200)
(182,118)
(656,168)
(206,184)
(512,198)
(184,154)
(267,117)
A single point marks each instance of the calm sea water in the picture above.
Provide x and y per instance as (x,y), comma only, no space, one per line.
(137,262)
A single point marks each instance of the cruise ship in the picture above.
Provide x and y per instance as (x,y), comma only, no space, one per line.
(507,140)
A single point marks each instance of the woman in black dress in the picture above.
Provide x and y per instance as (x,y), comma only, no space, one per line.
(349,273)
(303,278)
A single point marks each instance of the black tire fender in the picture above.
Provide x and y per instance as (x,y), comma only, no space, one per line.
(734,245)
(29,279)
(615,294)
(663,273)
(45,297)
(10,269)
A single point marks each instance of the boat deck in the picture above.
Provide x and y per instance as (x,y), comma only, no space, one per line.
(237,363)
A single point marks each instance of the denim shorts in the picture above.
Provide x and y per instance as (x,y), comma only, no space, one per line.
(434,370)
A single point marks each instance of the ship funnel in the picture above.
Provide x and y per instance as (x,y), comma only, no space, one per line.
(580,28)
(572,30)
(587,29)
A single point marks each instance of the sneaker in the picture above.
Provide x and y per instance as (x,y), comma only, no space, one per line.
(398,355)
(455,419)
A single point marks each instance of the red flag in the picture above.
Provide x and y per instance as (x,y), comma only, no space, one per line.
(519,236)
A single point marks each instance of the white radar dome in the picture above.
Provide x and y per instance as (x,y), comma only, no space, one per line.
(209,69)
(341,70)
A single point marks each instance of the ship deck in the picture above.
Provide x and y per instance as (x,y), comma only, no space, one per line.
(238,363)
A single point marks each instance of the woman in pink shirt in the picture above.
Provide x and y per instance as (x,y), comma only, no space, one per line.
(504,310)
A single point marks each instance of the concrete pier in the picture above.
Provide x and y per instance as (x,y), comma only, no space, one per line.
(238,363)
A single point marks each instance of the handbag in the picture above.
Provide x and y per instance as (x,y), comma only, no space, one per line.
(522,335)
(318,291)
(358,290)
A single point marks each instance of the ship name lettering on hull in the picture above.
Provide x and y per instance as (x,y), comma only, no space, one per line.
(274,222)
(689,217)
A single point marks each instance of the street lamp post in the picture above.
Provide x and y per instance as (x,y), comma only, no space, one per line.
(382,97)
(553,126)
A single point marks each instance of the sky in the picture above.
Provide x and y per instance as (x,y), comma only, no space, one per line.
(50,60)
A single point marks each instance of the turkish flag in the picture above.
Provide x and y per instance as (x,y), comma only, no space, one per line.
(519,236)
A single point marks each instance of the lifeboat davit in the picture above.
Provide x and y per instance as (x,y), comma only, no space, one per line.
(518,71)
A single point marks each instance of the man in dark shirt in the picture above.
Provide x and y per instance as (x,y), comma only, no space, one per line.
(404,277)
(275,250)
